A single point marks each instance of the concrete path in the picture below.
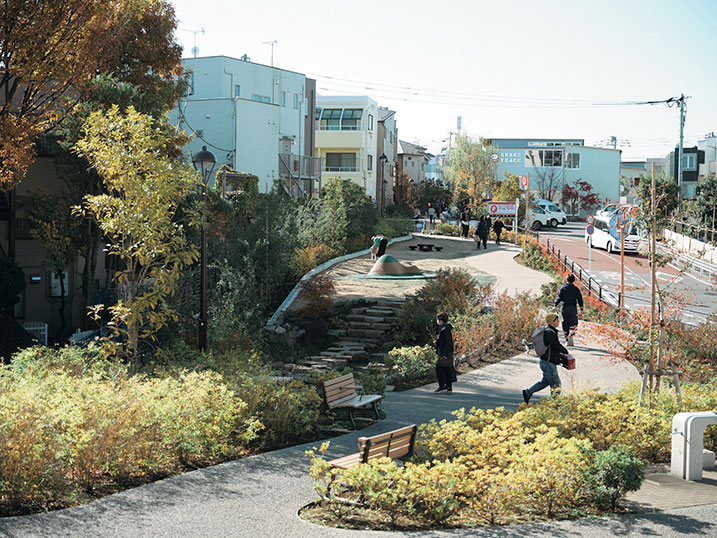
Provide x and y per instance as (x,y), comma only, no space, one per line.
(260,496)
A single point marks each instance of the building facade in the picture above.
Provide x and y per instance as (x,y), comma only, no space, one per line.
(412,160)
(347,140)
(550,164)
(387,158)
(255,118)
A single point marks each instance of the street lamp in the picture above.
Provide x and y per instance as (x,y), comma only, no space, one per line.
(382,159)
(204,162)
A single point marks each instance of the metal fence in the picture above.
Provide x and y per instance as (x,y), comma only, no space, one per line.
(701,232)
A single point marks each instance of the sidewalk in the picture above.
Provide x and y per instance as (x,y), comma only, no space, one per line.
(260,496)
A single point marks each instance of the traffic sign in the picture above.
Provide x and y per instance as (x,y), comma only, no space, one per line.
(590,229)
(494,157)
(523,182)
(501,209)
(590,219)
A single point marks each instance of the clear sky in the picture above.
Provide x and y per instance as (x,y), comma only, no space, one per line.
(510,68)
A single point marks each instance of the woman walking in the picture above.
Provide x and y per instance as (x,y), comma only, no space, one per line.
(445,372)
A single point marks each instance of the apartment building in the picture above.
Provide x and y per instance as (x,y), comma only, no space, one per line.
(387,158)
(255,118)
(412,160)
(347,140)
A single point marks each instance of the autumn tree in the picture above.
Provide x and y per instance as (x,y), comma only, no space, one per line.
(707,200)
(50,51)
(470,171)
(666,195)
(134,155)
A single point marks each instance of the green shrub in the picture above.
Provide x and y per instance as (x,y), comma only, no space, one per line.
(442,228)
(372,383)
(409,362)
(534,257)
(394,227)
(613,473)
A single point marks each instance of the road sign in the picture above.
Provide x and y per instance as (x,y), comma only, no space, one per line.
(524,182)
(501,209)
(590,229)
(590,219)
(494,157)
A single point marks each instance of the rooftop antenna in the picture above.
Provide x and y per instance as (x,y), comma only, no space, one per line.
(195,49)
(272,43)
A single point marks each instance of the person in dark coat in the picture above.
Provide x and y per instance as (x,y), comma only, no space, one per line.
(498,229)
(445,371)
(555,354)
(382,244)
(465,223)
(569,294)
(482,232)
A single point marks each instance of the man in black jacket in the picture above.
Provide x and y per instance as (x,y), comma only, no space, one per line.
(569,294)
(444,348)
(555,354)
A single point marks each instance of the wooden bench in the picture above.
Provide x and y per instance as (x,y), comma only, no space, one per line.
(342,392)
(425,247)
(394,444)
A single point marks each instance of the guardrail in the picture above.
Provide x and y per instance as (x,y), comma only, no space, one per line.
(587,281)
(703,267)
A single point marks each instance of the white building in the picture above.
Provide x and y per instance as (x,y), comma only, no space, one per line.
(347,140)
(254,118)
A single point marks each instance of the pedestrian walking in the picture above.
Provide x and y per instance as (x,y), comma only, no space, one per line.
(482,231)
(498,229)
(569,294)
(382,244)
(431,213)
(445,370)
(465,223)
(551,354)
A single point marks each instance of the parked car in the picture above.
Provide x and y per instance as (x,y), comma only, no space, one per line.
(555,215)
(607,236)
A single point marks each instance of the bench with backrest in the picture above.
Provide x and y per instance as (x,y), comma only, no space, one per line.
(343,393)
(394,444)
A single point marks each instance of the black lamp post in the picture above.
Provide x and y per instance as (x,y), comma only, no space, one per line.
(204,162)
(382,159)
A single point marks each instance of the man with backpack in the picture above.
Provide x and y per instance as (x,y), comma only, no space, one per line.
(551,353)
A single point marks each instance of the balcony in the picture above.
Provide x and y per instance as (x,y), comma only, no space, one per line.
(296,166)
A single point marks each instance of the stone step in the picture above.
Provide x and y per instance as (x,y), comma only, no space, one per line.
(362,318)
(350,346)
(380,357)
(337,332)
(359,324)
(381,326)
(380,311)
(367,333)
(343,354)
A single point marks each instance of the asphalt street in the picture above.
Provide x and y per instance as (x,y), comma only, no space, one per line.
(697,296)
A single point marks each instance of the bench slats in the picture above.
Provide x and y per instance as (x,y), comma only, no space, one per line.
(395,444)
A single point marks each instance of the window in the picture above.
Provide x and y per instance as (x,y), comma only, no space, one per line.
(55,284)
(351,120)
(340,162)
(331,119)
(369,164)
(296,101)
(688,161)
(370,122)
(413,164)
(572,161)
(237,90)
(283,98)
(318,113)
(261,98)
(543,157)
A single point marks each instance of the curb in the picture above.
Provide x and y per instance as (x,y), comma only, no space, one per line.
(274,320)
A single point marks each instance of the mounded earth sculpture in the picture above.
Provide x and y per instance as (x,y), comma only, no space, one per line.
(388,265)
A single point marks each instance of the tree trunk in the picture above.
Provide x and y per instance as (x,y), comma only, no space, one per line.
(61,311)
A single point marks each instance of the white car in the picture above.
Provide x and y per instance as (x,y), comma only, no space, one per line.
(554,215)
(608,237)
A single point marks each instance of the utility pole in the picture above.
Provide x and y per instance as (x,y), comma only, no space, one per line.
(682,139)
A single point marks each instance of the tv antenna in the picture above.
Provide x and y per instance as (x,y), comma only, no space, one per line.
(195,49)
(272,43)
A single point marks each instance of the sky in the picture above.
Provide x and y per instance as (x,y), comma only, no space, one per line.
(509,68)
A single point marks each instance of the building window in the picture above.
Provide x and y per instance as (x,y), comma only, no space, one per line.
(369,163)
(55,287)
(689,161)
(340,162)
(318,113)
(330,119)
(572,161)
(370,122)
(543,157)
(351,119)
(237,90)
(296,101)
(283,98)
(261,98)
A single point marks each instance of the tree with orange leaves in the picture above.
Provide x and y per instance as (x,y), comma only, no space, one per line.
(50,51)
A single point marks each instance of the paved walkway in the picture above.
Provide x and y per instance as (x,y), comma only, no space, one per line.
(260,496)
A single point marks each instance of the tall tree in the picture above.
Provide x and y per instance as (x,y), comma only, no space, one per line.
(707,201)
(145,184)
(470,171)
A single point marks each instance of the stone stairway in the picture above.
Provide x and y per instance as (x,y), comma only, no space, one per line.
(365,339)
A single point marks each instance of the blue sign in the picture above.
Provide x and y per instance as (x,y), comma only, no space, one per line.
(590,229)
(613,221)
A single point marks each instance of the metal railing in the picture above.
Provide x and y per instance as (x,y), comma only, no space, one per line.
(299,166)
(588,282)
(701,232)
(696,265)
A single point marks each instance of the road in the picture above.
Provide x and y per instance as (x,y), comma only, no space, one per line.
(698,297)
